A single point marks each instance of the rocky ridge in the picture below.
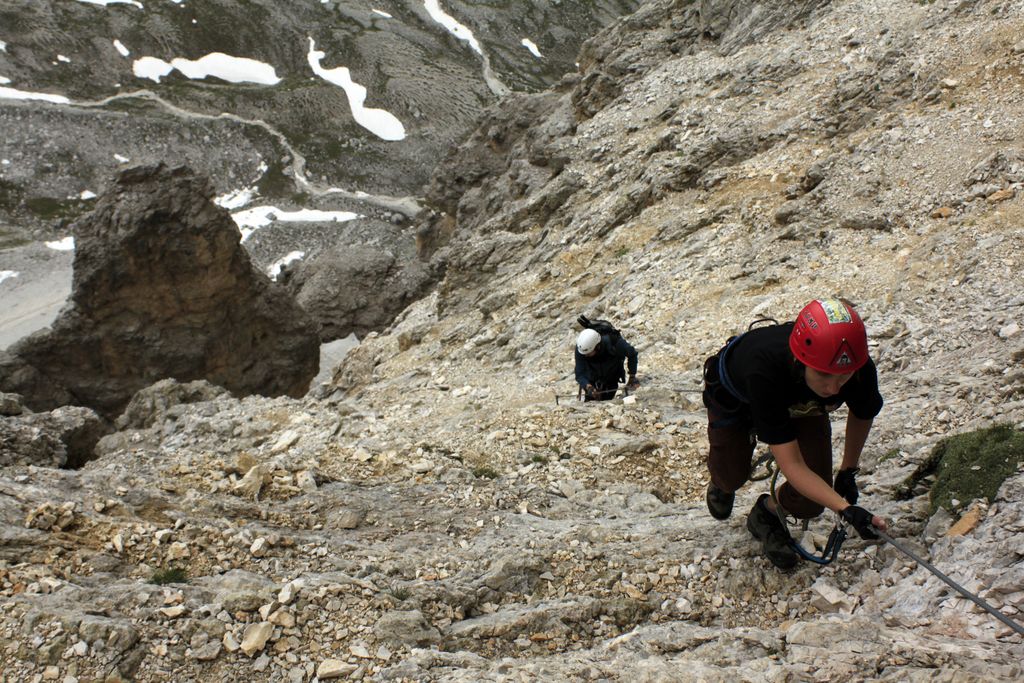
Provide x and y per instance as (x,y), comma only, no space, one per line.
(162,288)
(433,513)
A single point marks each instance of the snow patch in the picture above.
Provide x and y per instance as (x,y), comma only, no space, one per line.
(6,274)
(251,220)
(12,94)
(275,268)
(119,46)
(380,122)
(151,68)
(66,244)
(448,21)
(113,2)
(532,47)
(217,64)
(235,199)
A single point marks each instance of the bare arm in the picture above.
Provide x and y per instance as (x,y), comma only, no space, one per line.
(791,464)
(856,436)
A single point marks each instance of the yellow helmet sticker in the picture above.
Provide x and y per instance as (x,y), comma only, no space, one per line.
(835,311)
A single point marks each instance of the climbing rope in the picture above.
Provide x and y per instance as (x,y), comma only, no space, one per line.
(835,537)
(953,584)
(838,535)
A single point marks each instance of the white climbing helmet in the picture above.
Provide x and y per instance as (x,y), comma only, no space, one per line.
(587,341)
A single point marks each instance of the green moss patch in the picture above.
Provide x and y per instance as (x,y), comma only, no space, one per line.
(485,472)
(162,577)
(968,466)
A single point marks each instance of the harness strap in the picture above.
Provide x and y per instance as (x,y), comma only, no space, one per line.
(723,374)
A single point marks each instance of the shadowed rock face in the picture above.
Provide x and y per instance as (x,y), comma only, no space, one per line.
(162,288)
(359,288)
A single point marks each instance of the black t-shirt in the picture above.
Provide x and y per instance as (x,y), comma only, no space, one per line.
(606,365)
(761,368)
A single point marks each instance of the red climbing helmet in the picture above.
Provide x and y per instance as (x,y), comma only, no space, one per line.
(829,336)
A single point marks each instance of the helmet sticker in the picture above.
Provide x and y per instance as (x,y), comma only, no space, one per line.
(835,311)
(843,357)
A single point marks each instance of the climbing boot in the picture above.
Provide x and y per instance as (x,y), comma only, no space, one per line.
(765,526)
(719,502)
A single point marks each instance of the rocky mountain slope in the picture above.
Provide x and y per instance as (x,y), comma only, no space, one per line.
(443,509)
(310,109)
(294,132)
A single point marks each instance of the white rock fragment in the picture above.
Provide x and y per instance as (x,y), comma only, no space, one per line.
(255,637)
(306,481)
(290,590)
(178,551)
(230,642)
(828,598)
(334,668)
(259,547)
(285,441)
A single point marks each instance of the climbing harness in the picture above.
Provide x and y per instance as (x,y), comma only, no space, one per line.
(953,584)
(835,537)
(730,406)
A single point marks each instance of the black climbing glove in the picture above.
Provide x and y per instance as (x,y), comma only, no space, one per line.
(590,391)
(846,485)
(633,382)
(860,519)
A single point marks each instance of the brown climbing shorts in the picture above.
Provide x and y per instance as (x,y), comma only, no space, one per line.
(732,449)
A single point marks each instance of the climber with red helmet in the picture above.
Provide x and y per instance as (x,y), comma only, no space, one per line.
(777,384)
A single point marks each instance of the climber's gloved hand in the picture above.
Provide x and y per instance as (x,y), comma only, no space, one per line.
(863,521)
(633,382)
(589,391)
(846,484)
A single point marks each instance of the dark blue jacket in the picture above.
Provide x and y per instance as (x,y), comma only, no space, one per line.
(605,366)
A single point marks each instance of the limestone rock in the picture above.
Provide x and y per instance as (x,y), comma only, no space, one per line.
(162,288)
(151,404)
(407,628)
(356,289)
(334,668)
(11,404)
(255,637)
(64,437)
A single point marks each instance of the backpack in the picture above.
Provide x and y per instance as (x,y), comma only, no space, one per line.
(602,327)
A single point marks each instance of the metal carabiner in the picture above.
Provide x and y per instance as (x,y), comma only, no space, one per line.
(835,538)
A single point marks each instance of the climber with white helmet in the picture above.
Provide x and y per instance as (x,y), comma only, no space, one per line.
(600,355)
(778,384)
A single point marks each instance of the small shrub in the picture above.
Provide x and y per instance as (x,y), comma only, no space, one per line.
(169,575)
(484,472)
